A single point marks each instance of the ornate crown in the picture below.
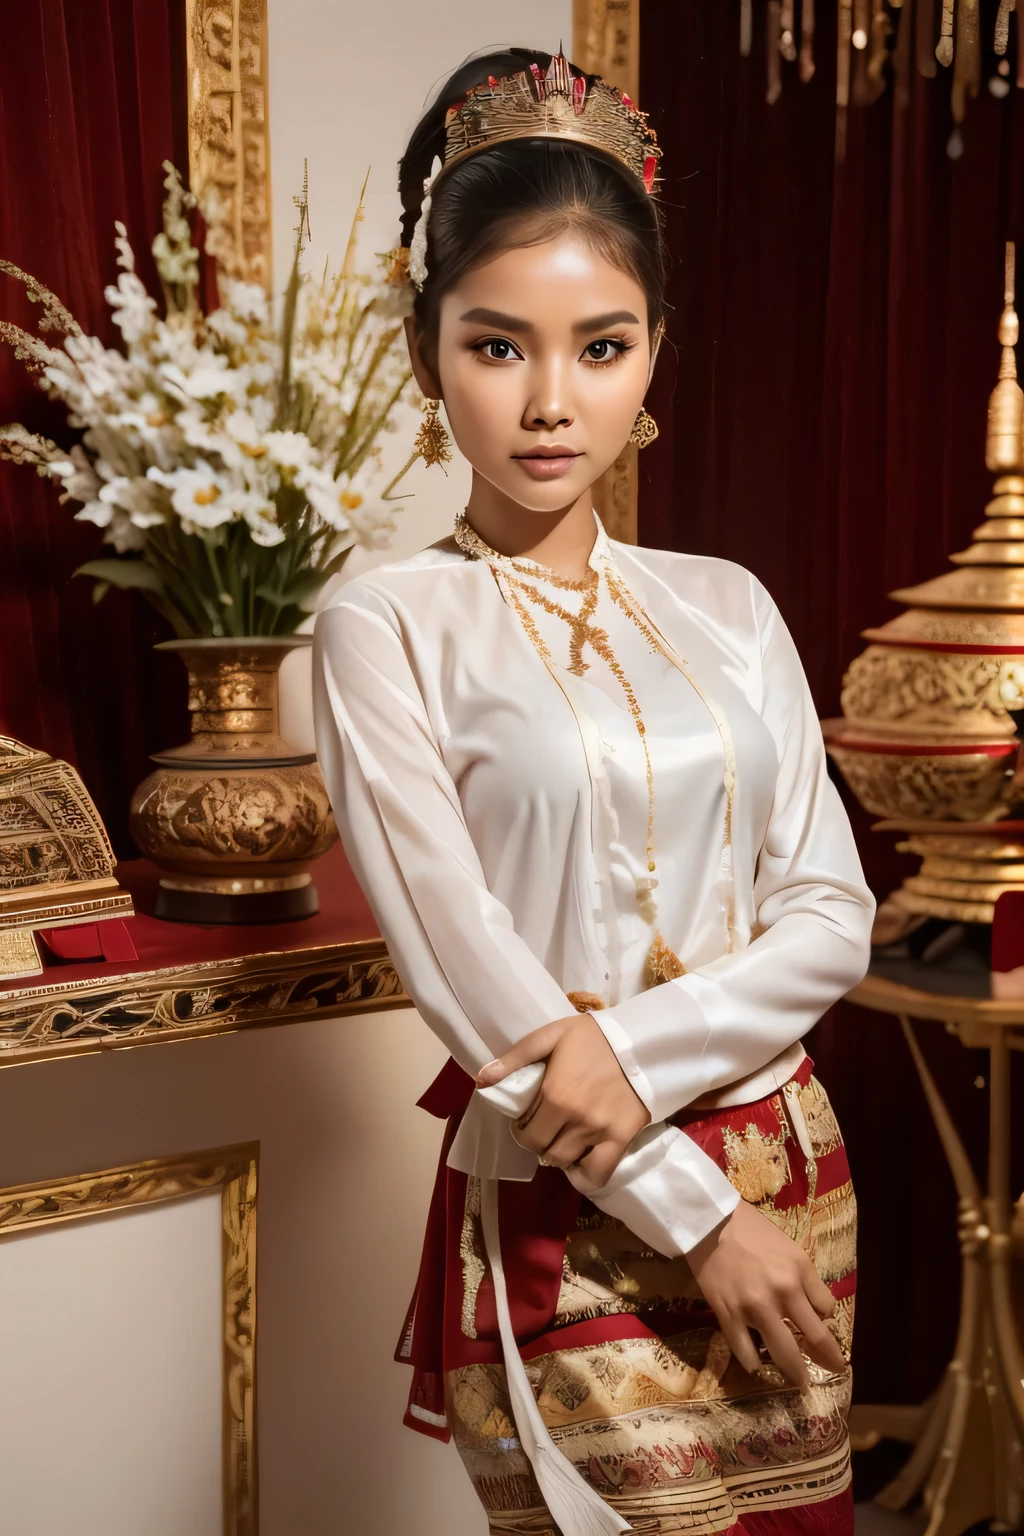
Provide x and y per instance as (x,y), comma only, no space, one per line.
(557,105)
(535,104)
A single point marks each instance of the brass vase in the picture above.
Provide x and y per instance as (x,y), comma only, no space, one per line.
(234,818)
(929,738)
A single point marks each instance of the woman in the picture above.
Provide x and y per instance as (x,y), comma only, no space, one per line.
(584,789)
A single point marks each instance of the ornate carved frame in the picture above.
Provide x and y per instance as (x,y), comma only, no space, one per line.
(186,1001)
(228,131)
(233,1170)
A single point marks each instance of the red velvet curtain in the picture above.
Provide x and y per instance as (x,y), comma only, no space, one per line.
(822,406)
(92,100)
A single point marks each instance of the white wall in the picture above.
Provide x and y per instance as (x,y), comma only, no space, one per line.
(111,1349)
(348,82)
(346,1168)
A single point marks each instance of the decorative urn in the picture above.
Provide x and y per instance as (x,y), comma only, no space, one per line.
(234,818)
(928,738)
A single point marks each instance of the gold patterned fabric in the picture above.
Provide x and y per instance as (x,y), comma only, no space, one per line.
(636,1384)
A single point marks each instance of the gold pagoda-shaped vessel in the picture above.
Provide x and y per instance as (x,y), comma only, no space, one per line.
(928,739)
(56,863)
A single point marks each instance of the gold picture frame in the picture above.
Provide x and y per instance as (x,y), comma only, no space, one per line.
(229,132)
(234,1170)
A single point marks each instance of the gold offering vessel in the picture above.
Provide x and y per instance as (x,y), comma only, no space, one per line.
(56,863)
(234,818)
(928,738)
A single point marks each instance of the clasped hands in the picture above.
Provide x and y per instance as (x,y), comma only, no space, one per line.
(752,1275)
(585,1112)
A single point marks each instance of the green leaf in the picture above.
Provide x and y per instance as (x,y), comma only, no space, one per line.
(126,574)
(303,586)
(100,591)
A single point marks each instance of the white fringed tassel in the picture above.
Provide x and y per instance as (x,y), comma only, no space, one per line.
(418,243)
(574,1506)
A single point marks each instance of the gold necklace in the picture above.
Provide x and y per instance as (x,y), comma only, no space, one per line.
(516,580)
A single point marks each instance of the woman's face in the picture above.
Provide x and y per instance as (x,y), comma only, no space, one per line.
(543,361)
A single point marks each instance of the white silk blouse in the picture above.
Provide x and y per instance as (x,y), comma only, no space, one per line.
(491,790)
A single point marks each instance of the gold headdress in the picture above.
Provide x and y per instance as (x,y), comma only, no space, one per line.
(538,104)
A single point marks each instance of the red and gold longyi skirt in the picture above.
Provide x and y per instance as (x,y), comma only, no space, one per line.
(635,1382)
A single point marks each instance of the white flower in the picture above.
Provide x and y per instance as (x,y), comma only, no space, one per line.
(124,535)
(97,512)
(396,301)
(241,427)
(199,432)
(261,516)
(199,496)
(289,450)
(119,528)
(246,300)
(135,496)
(210,378)
(133,308)
(345,506)
(125,254)
(81,482)
(329,497)
(374,525)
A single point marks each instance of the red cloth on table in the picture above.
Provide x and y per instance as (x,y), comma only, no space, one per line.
(109,941)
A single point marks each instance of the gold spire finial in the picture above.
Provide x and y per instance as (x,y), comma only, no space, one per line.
(1003,446)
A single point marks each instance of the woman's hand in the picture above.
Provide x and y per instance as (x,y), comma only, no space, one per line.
(754,1276)
(585,1113)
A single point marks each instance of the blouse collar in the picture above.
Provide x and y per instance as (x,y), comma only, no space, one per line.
(474,548)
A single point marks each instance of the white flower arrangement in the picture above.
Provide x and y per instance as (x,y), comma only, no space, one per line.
(232,467)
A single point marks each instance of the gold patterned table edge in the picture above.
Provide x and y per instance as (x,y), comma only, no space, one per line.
(188,1002)
(234,1171)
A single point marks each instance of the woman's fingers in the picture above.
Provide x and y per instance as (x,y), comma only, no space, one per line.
(783,1348)
(818,1293)
(540,1126)
(818,1341)
(536,1046)
(739,1340)
(568,1147)
(598,1165)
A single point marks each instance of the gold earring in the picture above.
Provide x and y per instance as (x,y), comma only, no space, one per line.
(432,441)
(645,429)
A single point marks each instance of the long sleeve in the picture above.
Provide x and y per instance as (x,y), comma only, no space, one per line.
(721,1021)
(474,980)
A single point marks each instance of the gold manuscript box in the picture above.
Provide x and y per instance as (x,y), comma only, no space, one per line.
(56,862)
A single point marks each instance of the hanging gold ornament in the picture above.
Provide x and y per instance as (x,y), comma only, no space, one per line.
(432,441)
(882,39)
(645,429)
(807,41)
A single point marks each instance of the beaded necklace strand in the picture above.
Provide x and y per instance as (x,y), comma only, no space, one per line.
(516,579)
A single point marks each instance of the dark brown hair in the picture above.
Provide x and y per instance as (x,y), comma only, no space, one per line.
(523,192)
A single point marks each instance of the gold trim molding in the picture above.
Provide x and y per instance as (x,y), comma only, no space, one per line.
(233,1170)
(228,132)
(606,42)
(191,1001)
